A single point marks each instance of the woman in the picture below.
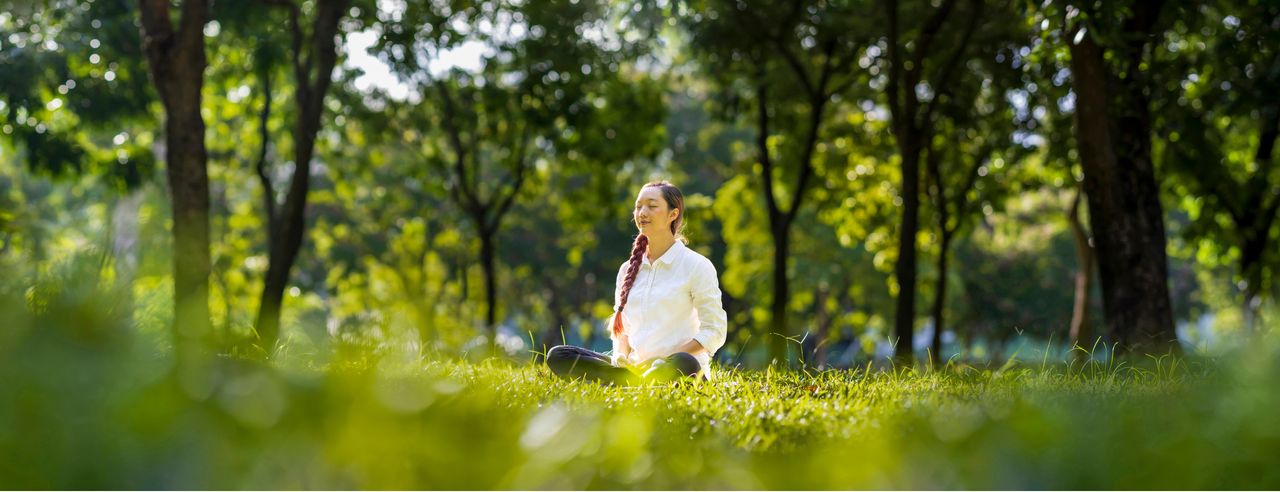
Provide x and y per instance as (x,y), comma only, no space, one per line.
(667,319)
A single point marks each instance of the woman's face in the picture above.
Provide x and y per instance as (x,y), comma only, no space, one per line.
(652,214)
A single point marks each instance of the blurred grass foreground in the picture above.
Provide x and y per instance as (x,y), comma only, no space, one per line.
(90,402)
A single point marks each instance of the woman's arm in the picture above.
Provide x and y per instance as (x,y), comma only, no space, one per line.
(691,347)
(705,294)
(706,297)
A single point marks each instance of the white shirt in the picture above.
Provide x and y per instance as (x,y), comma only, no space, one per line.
(674,299)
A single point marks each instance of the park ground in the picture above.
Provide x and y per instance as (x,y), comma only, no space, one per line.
(87,405)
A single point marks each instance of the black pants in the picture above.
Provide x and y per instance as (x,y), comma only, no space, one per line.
(572,362)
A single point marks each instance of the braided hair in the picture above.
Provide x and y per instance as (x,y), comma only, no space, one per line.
(633,267)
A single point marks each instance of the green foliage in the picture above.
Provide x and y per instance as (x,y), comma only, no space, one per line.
(74,93)
(1218,126)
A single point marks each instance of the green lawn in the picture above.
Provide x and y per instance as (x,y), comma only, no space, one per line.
(94,407)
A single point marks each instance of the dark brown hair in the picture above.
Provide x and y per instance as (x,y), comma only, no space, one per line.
(675,201)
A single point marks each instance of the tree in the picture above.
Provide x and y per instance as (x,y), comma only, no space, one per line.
(1080,330)
(313,55)
(1220,93)
(797,59)
(918,80)
(957,191)
(973,139)
(1110,47)
(542,96)
(1052,104)
(497,120)
(176,57)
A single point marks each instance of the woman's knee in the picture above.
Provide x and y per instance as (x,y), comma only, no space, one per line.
(560,357)
(559,352)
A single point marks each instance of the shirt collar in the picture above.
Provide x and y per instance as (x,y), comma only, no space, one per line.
(669,256)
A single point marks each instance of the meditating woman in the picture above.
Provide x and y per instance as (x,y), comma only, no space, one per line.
(667,319)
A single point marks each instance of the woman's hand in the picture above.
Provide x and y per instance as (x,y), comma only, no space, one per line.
(624,351)
(637,367)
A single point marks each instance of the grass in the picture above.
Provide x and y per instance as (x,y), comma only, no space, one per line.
(87,403)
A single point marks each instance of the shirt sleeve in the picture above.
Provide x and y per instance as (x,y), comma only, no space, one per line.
(712,321)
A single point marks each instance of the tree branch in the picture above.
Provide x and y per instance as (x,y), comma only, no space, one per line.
(1268,217)
(933,173)
(473,143)
(324,49)
(824,74)
(943,84)
(296,41)
(780,44)
(762,144)
(895,66)
(796,66)
(927,35)
(1260,180)
(268,190)
(817,103)
(971,179)
(455,139)
(842,67)
(521,166)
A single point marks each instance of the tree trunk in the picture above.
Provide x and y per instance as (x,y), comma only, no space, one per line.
(905,268)
(177,62)
(912,125)
(1113,134)
(487,260)
(1080,332)
(309,93)
(189,188)
(780,219)
(781,292)
(268,323)
(189,185)
(940,299)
